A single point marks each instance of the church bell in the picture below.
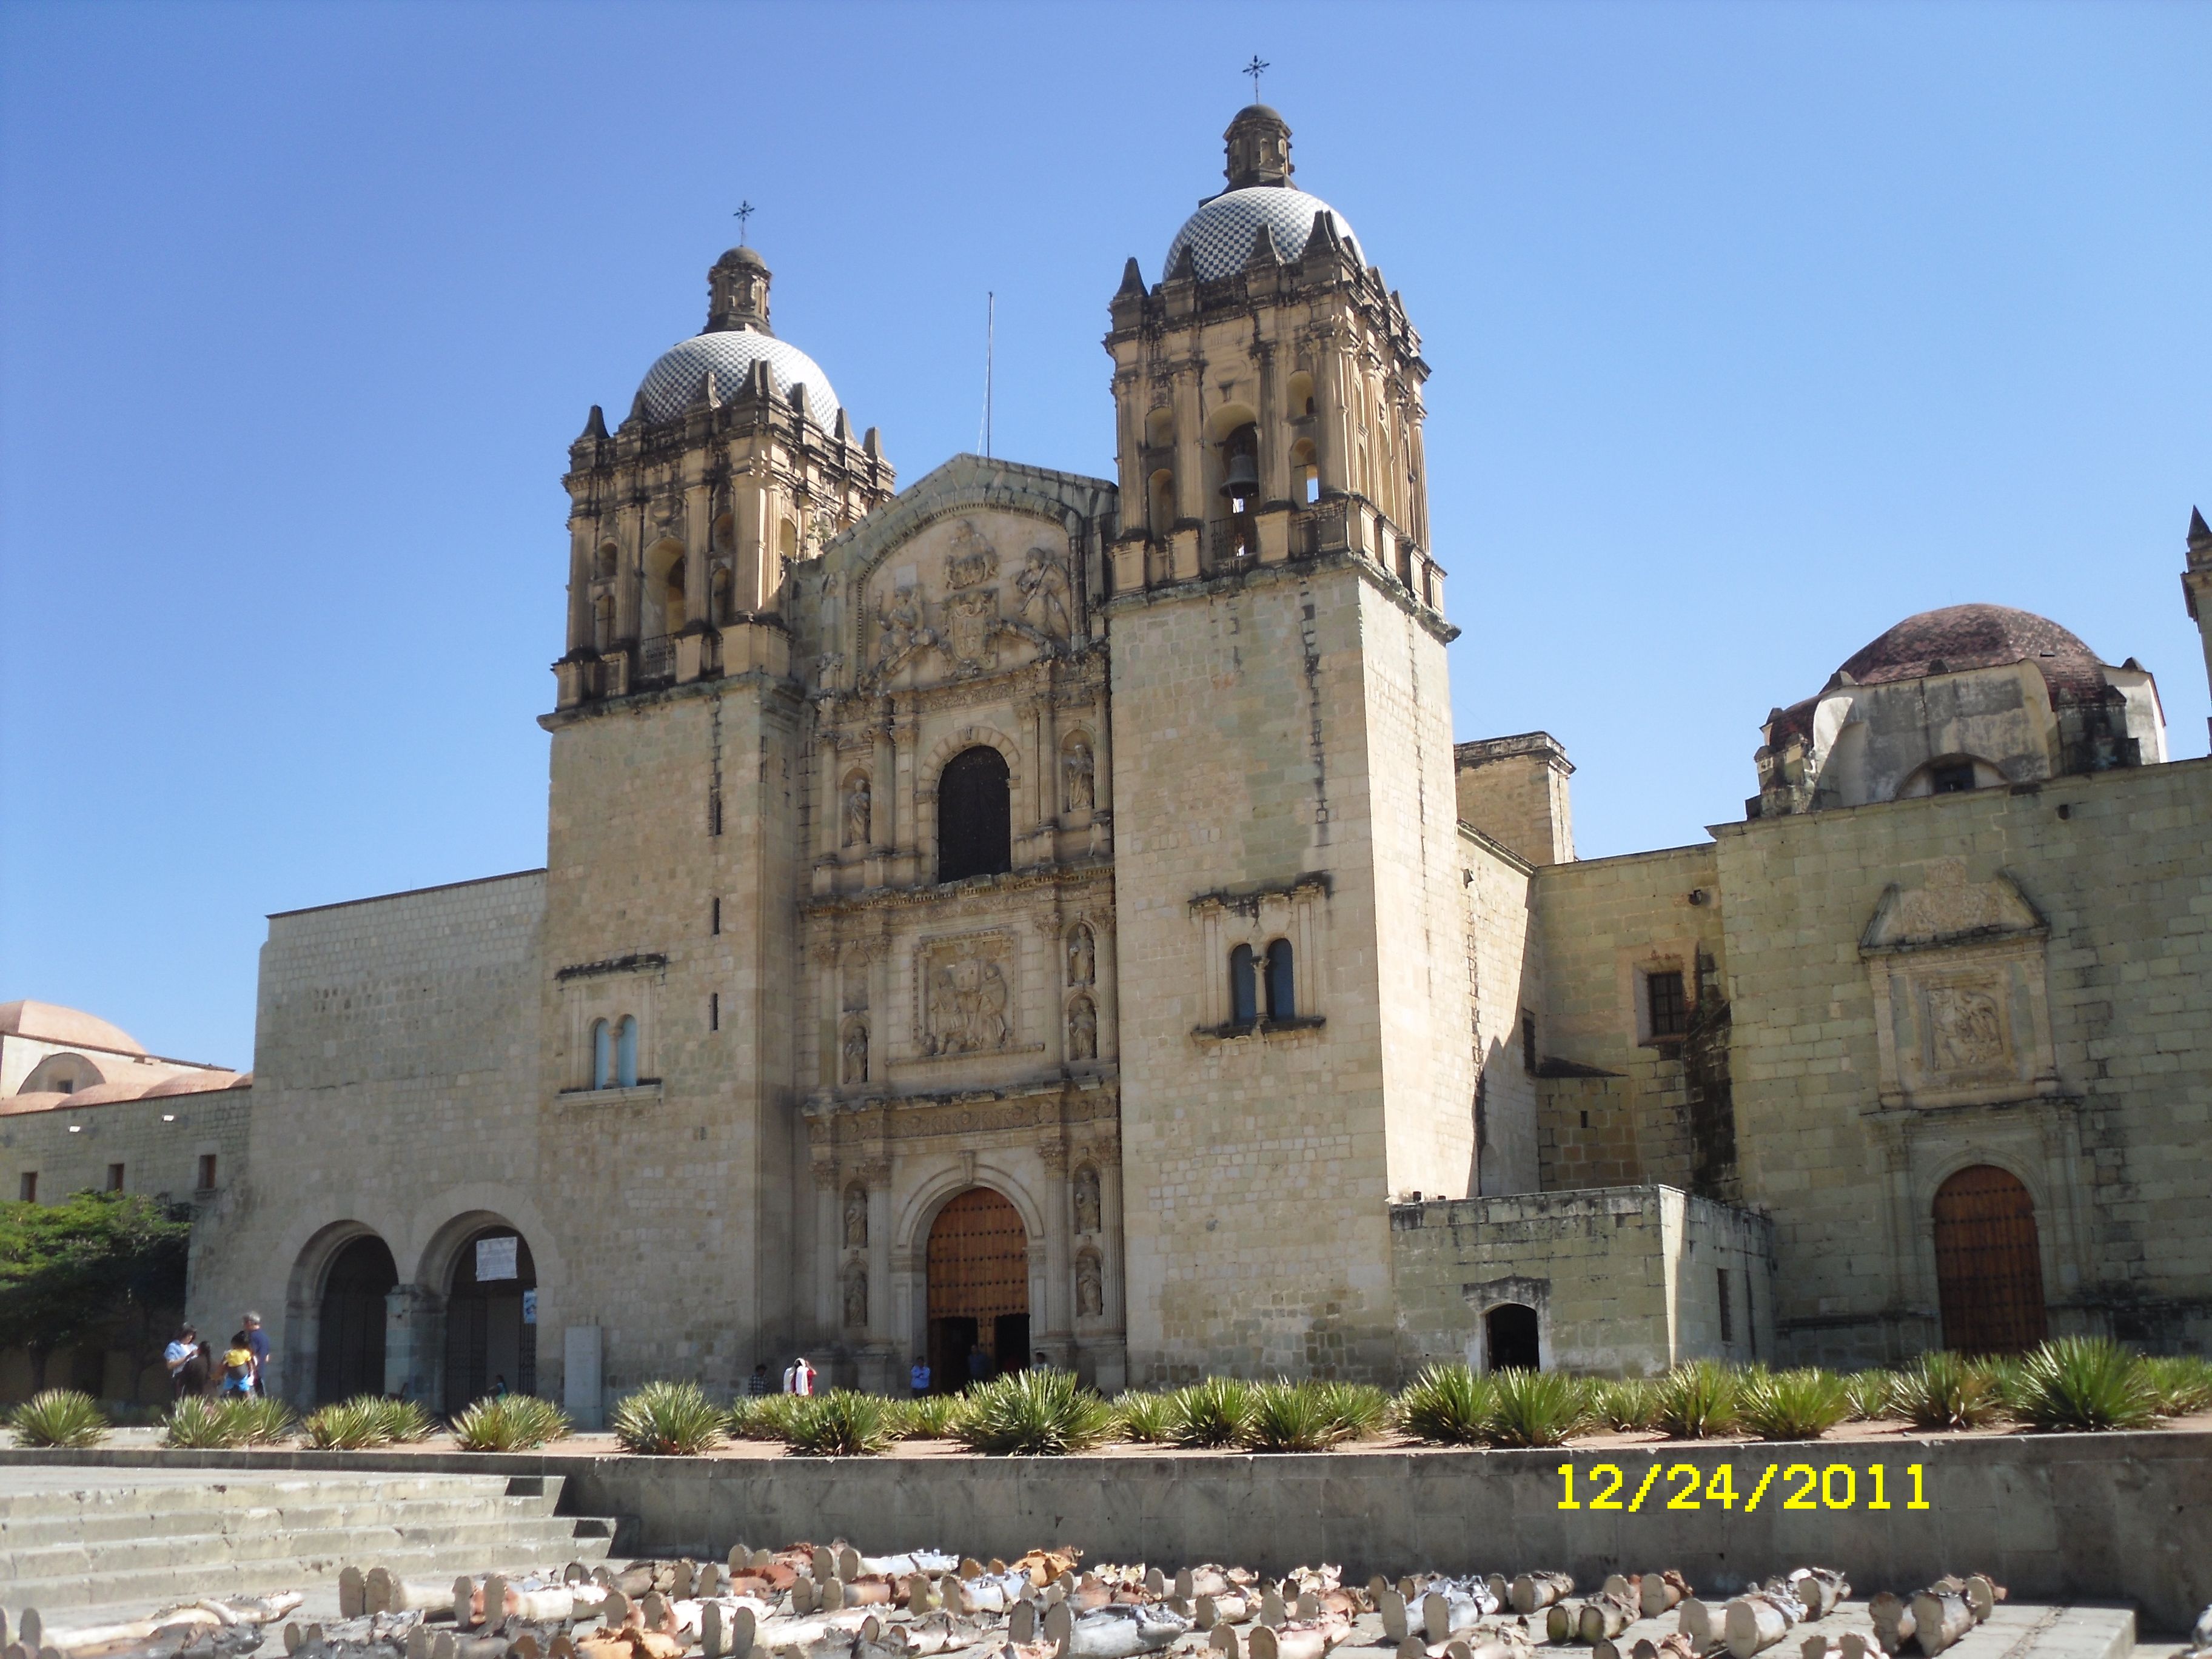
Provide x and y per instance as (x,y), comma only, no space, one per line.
(1242,481)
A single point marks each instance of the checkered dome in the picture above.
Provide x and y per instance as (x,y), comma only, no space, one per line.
(1219,234)
(672,385)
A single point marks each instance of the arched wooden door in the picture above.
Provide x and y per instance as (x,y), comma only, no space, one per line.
(979,1290)
(491,1319)
(349,1334)
(1989,1264)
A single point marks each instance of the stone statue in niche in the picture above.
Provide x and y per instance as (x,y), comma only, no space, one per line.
(856,1216)
(1090,1287)
(1964,1029)
(1086,1201)
(860,811)
(855,1064)
(969,999)
(1082,1030)
(1046,602)
(1078,768)
(856,1295)
(1082,956)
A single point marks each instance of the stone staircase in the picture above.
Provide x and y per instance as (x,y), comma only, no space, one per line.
(118,1538)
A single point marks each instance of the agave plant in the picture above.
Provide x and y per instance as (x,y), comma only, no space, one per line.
(1625,1405)
(2182,1384)
(1799,1405)
(843,1423)
(261,1421)
(348,1426)
(514,1422)
(201,1423)
(668,1420)
(1871,1395)
(1034,1413)
(1145,1418)
(1447,1405)
(1535,1408)
(1214,1412)
(1361,1410)
(1696,1402)
(1289,1417)
(766,1417)
(402,1422)
(58,1417)
(1946,1390)
(2082,1383)
(929,1417)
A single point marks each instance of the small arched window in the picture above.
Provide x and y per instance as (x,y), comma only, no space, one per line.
(974,817)
(626,1053)
(1282,1000)
(1301,395)
(1243,987)
(602,1056)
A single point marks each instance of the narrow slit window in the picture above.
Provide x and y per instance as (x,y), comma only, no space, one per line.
(715,917)
(1282,994)
(207,1172)
(115,1177)
(602,1056)
(26,1187)
(713,1011)
(1243,987)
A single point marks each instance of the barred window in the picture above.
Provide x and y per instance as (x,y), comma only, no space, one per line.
(1663,1001)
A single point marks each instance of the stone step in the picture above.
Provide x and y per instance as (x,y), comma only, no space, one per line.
(362,1542)
(319,1512)
(219,1493)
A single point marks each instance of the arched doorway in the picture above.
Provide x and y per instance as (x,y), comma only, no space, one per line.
(1989,1264)
(1509,1339)
(491,1318)
(349,1332)
(978,1288)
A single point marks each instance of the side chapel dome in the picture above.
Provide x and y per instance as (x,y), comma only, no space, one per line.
(1963,636)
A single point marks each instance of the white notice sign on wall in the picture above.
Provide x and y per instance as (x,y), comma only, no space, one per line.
(496,1259)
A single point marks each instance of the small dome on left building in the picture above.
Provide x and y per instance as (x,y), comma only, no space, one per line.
(737,336)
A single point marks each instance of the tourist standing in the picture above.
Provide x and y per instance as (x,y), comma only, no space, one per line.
(237,1367)
(799,1378)
(257,1342)
(979,1364)
(187,1363)
(917,1378)
(756,1385)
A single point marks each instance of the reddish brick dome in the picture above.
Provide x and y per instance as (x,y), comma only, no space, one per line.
(1964,636)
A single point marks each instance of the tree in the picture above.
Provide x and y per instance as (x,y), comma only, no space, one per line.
(112,1262)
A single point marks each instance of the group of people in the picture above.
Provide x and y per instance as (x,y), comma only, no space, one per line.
(235,1372)
(799,1376)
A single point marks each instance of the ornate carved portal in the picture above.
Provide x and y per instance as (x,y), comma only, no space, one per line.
(979,1289)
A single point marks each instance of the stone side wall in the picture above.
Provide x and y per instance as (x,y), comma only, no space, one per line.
(1514,791)
(1506,975)
(1624,1280)
(396,1054)
(2103,1075)
(1257,1163)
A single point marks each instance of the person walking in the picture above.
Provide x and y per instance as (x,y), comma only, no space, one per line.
(757,1386)
(187,1363)
(917,1378)
(256,1339)
(799,1378)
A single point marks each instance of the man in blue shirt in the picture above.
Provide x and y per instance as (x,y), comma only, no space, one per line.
(256,1339)
(918,1378)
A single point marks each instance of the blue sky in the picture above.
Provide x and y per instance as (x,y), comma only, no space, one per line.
(1754,329)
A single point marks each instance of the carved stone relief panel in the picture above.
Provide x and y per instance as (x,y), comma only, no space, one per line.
(1959,973)
(963,593)
(966,987)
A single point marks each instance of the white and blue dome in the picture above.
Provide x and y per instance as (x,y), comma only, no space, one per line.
(672,385)
(1219,234)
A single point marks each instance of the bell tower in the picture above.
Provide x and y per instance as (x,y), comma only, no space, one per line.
(1295,1030)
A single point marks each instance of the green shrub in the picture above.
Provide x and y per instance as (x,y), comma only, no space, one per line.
(766,1417)
(1946,1390)
(59,1417)
(1447,1405)
(1147,1418)
(2082,1383)
(1800,1405)
(515,1422)
(401,1422)
(2181,1383)
(1626,1405)
(1697,1401)
(843,1423)
(1032,1414)
(1870,1395)
(1536,1408)
(669,1419)
(1361,1410)
(251,1421)
(929,1417)
(365,1420)
(1215,1413)
(1289,1417)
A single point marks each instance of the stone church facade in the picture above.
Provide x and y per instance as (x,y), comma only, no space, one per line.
(1034,915)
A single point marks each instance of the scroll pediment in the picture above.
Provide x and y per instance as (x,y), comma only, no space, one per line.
(1947,910)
